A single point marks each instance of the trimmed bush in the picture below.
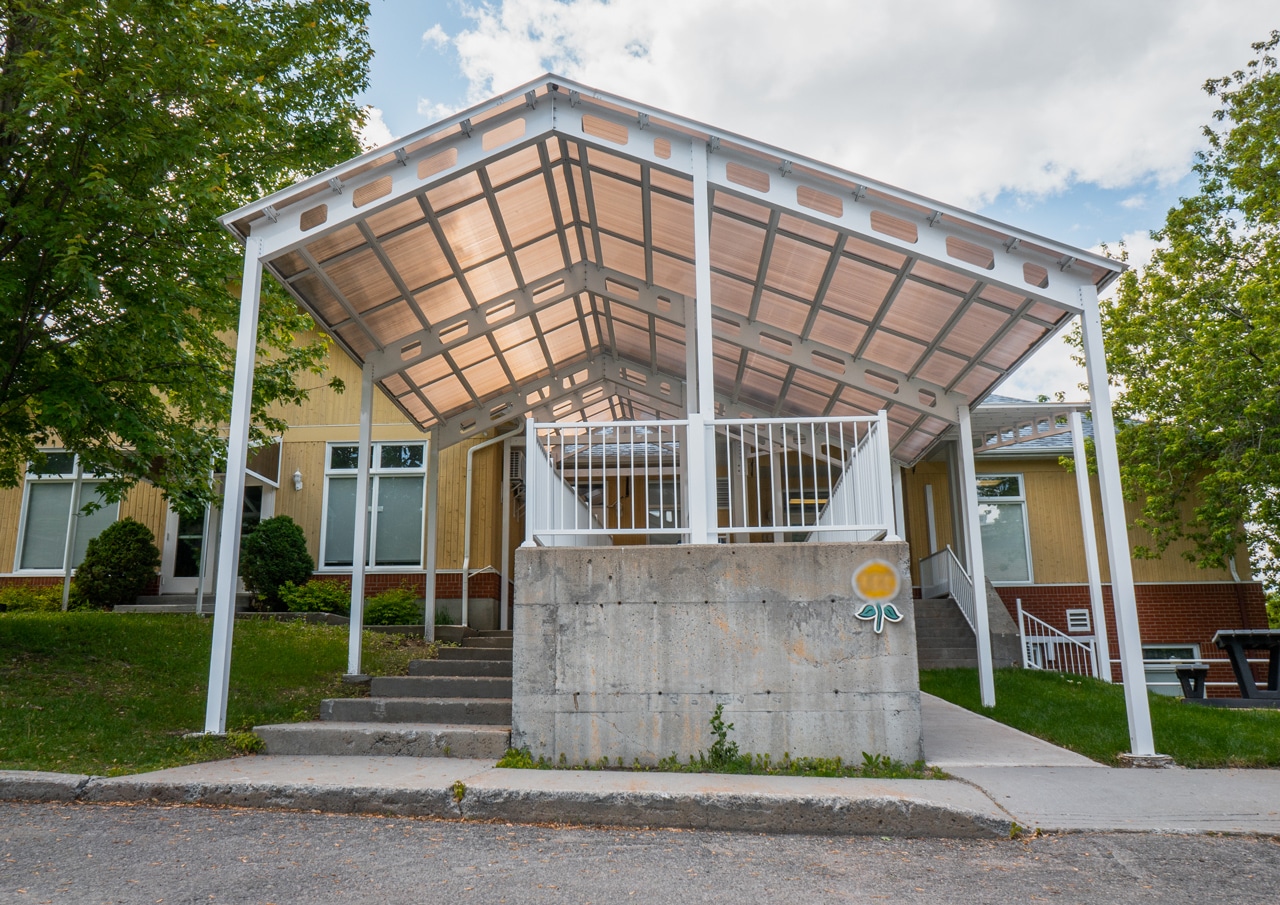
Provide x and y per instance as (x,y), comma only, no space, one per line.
(23,598)
(398,606)
(117,565)
(316,596)
(274,553)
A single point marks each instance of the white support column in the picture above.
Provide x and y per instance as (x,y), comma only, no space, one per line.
(68,550)
(433,486)
(888,503)
(702,440)
(504,555)
(1141,740)
(1102,662)
(224,603)
(355,629)
(977,569)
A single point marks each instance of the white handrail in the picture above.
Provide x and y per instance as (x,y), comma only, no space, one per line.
(1045,647)
(942,575)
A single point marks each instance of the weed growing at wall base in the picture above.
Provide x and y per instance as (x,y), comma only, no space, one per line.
(724,757)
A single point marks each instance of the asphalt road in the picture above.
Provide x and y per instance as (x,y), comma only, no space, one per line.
(100,854)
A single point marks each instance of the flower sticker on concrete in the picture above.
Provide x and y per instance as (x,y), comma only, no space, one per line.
(877,582)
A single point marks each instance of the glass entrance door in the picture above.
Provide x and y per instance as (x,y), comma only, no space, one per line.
(184,544)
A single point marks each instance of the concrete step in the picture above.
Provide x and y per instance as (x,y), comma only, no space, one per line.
(440,686)
(385,739)
(500,641)
(460,667)
(468,711)
(497,633)
(474,653)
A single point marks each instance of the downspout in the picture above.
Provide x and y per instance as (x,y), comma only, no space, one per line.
(466,531)
(1236,586)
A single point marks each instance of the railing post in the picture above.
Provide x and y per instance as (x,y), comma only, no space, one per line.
(977,569)
(885,477)
(1022,634)
(532,481)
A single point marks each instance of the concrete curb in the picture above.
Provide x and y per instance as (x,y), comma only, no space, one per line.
(874,813)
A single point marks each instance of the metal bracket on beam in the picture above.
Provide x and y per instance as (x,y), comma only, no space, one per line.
(336,185)
(575,98)
(402,156)
(643,120)
(713,143)
(859,192)
(1065,264)
(466,127)
(935,218)
(1011,245)
(785,168)
(271,213)
(531,99)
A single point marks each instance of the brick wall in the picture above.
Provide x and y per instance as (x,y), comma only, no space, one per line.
(1183,613)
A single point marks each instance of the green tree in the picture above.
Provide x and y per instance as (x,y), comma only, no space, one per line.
(1194,338)
(126,128)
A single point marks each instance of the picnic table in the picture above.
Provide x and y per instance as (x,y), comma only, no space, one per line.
(1237,643)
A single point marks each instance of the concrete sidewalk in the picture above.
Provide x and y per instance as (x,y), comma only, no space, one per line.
(1003,777)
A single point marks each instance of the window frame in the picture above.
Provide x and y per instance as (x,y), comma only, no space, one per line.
(376,472)
(31,478)
(1019,499)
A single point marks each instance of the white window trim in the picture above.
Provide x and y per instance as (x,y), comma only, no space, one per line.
(28,479)
(1026,523)
(375,472)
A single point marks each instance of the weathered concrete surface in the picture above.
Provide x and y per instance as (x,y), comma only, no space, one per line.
(35,785)
(475,790)
(332,737)
(625,652)
(955,738)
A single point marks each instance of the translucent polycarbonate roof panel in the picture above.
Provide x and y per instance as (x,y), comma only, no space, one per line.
(536,254)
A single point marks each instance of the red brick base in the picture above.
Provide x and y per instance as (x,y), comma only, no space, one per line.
(1187,613)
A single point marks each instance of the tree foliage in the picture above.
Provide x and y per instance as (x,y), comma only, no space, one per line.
(1194,338)
(126,128)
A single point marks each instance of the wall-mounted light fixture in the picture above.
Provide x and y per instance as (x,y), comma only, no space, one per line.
(297,480)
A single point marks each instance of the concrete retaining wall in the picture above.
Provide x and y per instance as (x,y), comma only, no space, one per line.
(625,652)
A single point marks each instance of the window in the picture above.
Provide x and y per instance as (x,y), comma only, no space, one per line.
(1002,516)
(397,491)
(46,507)
(1160,663)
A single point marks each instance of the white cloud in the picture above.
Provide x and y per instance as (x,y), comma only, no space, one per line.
(1134,202)
(433,111)
(962,99)
(435,36)
(374,133)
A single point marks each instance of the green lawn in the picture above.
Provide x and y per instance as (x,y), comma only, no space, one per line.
(1088,716)
(108,693)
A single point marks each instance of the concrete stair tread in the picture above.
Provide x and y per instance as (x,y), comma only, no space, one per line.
(441,687)
(386,739)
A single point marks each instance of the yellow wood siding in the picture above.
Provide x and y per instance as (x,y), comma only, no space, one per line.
(10,514)
(145,503)
(915,511)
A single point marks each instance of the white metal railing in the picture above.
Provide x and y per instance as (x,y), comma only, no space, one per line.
(942,575)
(1045,647)
(828,478)
(587,481)
(820,478)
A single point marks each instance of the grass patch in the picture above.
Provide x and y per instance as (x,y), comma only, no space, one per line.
(113,693)
(1088,716)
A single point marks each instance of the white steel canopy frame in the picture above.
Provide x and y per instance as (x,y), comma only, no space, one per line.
(567,254)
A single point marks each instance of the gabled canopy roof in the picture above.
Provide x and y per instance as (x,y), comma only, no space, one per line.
(536,254)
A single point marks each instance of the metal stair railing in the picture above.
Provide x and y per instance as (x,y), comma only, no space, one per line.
(1045,647)
(942,575)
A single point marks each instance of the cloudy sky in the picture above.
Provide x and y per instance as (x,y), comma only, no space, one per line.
(1078,119)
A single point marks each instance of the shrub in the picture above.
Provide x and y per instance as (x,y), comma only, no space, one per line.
(398,606)
(443,617)
(316,597)
(117,565)
(23,598)
(274,553)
